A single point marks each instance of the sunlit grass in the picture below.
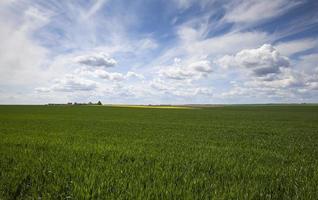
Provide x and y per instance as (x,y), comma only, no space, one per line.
(103,152)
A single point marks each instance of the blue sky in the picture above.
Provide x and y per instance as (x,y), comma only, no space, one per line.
(158,51)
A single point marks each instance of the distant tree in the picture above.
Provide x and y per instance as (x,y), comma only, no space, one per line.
(99,103)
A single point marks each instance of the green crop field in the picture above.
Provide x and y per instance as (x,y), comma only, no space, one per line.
(102,152)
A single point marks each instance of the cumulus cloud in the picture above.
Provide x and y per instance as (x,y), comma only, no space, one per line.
(178,71)
(175,73)
(103,74)
(203,66)
(70,83)
(194,44)
(261,61)
(99,59)
(287,79)
(263,73)
(113,76)
(290,84)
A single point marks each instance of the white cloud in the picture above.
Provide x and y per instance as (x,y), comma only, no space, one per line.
(230,43)
(21,58)
(70,83)
(35,17)
(255,10)
(292,84)
(287,79)
(183,3)
(161,85)
(115,76)
(147,43)
(194,70)
(103,74)
(295,46)
(262,75)
(134,75)
(194,45)
(203,66)
(176,73)
(99,59)
(112,76)
(261,61)
(178,89)
(309,63)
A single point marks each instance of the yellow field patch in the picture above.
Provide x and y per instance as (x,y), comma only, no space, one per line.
(160,107)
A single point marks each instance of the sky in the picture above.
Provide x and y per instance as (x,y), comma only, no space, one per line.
(158,51)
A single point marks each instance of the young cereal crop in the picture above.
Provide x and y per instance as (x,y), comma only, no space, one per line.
(101,152)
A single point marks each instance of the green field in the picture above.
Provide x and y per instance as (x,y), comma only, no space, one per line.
(101,152)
